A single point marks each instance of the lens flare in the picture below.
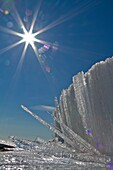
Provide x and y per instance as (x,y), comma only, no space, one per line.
(6,12)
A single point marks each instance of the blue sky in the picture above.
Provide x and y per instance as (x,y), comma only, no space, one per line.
(81,35)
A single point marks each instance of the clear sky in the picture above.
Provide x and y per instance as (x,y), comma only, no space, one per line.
(78,34)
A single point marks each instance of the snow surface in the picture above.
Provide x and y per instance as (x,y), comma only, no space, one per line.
(51,155)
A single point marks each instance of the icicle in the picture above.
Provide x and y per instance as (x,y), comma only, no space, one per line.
(59,114)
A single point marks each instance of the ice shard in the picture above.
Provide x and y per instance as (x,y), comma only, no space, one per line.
(86,107)
(71,138)
(55,130)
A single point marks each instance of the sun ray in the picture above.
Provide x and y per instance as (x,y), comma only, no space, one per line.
(35,50)
(22,56)
(67,16)
(20,21)
(16,76)
(21,61)
(37,55)
(35,17)
(7,30)
(42,41)
(11,46)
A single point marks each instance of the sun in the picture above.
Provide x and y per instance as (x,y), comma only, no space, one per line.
(28,38)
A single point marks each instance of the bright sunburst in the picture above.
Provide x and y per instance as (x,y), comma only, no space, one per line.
(29,38)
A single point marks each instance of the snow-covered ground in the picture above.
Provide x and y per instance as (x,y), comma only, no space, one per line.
(49,155)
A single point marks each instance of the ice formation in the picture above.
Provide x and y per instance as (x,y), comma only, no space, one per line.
(83,121)
(86,107)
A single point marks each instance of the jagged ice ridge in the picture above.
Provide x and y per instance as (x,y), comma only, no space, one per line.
(86,107)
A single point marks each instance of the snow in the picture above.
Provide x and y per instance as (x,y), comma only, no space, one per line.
(49,155)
